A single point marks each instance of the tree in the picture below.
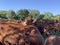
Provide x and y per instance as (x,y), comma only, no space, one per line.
(10,14)
(57,17)
(48,15)
(3,14)
(22,13)
(41,16)
(34,13)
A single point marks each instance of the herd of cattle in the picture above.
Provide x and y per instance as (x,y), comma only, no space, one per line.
(28,31)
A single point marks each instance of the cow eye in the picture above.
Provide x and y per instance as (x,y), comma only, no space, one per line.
(34,31)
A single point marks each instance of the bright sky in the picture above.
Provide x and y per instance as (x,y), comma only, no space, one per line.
(41,5)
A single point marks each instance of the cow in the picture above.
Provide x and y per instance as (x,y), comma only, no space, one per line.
(20,34)
(52,40)
(29,36)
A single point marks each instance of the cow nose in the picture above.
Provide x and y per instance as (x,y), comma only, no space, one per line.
(27,34)
(21,42)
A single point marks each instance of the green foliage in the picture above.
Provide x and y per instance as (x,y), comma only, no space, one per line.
(2,14)
(57,17)
(16,17)
(48,15)
(22,13)
(41,16)
(34,13)
(11,14)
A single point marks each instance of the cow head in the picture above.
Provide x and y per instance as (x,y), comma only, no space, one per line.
(31,36)
(52,40)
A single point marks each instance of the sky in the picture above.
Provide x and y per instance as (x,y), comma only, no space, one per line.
(41,5)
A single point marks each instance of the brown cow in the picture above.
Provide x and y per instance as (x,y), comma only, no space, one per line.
(20,34)
(29,36)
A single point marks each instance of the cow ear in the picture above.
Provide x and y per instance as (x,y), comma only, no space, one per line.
(34,20)
(25,20)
